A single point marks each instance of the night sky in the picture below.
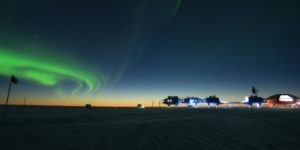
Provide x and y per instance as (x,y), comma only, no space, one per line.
(124,52)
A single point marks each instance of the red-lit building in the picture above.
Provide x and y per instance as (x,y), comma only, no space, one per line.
(283,99)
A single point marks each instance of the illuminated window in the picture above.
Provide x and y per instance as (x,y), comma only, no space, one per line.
(285,98)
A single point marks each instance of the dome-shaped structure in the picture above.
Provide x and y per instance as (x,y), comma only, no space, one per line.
(140,106)
(283,99)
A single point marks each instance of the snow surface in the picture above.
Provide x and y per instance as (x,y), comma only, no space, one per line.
(55,128)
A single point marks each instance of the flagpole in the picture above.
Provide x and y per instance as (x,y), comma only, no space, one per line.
(8,94)
(7,98)
(12,80)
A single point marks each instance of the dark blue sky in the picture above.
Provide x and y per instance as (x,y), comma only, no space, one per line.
(149,49)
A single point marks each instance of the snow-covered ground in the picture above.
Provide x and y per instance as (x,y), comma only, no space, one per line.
(53,128)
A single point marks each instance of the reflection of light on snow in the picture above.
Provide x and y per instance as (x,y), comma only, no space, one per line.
(213,104)
(257,105)
(285,98)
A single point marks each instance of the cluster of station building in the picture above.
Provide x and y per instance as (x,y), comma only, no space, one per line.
(253,100)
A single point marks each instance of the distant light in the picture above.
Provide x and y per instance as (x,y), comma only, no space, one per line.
(140,106)
(246,99)
(192,101)
(285,98)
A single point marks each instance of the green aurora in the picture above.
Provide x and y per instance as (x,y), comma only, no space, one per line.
(45,72)
(176,8)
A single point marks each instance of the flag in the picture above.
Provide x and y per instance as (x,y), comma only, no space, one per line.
(14,79)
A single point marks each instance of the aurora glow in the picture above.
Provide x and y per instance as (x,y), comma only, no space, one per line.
(122,53)
(45,72)
(177,7)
